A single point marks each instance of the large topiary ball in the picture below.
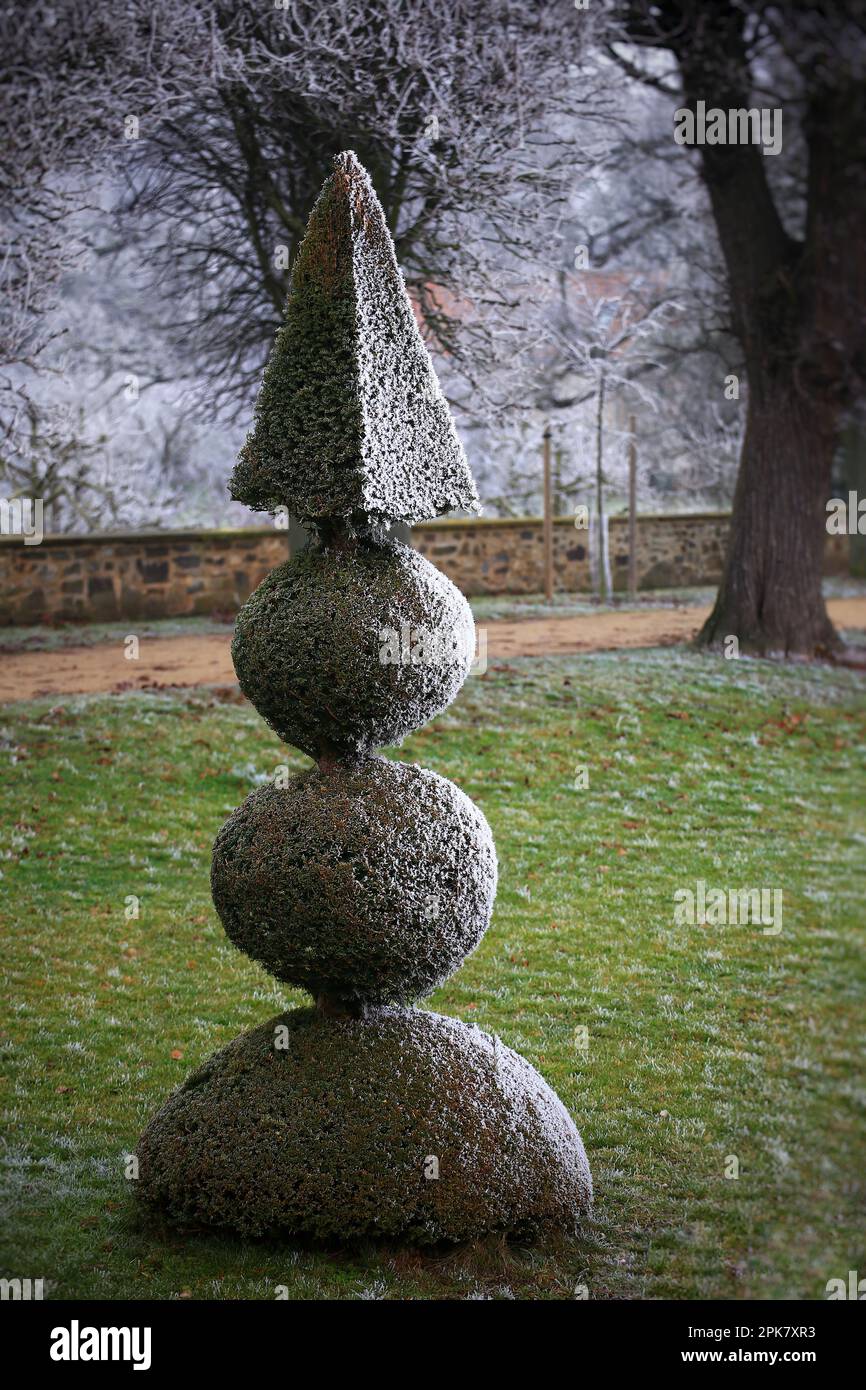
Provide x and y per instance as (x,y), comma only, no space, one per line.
(404,1124)
(351,647)
(370,884)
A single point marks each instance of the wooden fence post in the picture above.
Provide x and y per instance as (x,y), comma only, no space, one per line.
(548,520)
(632,509)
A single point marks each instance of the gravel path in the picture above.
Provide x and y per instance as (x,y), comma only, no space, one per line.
(206,659)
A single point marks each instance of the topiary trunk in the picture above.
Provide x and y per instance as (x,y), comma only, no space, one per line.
(364,881)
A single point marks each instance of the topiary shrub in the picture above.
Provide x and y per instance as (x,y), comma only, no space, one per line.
(403,1123)
(350,418)
(367,882)
(351,647)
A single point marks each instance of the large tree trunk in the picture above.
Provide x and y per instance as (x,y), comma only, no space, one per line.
(770,596)
(854,480)
(798,304)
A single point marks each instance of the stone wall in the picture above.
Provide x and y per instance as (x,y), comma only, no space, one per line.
(153,574)
(134,574)
(507,557)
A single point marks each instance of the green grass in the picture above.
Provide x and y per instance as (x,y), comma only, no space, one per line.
(493,607)
(704,1042)
(52,638)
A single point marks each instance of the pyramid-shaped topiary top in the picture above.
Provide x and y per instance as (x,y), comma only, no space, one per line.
(350,417)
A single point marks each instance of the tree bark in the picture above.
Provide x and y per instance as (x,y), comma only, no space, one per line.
(854,480)
(798,311)
(770,596)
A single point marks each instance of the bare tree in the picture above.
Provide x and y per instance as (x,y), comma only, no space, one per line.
(793,244)
(456,108)
(605,346)
(72,77)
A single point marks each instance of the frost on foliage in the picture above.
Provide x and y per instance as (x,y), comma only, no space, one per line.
(350,417)
(329,1134)
(310,641)
(365,881)
(370,885)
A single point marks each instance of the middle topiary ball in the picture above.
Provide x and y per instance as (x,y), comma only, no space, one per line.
(369,884)
(350,647)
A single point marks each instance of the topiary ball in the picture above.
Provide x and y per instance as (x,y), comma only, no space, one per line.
(351,647)
(369,884)
(404,1124)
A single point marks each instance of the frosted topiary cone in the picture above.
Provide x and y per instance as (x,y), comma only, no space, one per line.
(350,418)
(365,881)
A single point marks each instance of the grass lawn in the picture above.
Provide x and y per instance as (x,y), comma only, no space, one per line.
(704,1042)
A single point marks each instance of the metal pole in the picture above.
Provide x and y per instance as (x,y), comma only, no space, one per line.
(548,520)
(632,509)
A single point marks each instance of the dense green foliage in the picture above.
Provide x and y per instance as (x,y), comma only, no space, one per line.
(325,646)
(368,884)
(402,1124)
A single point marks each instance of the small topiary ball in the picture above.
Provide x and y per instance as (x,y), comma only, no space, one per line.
(367,884)
(404,1125)
(351,647)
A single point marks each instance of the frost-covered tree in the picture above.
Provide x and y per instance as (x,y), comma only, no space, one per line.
(639,221)
(792,236)
(73,75)
(637,228)
(605,343)
(457,109)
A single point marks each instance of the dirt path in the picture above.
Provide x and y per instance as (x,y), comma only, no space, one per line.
(206,660)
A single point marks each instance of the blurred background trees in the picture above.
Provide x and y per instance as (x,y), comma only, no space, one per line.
(570,264)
